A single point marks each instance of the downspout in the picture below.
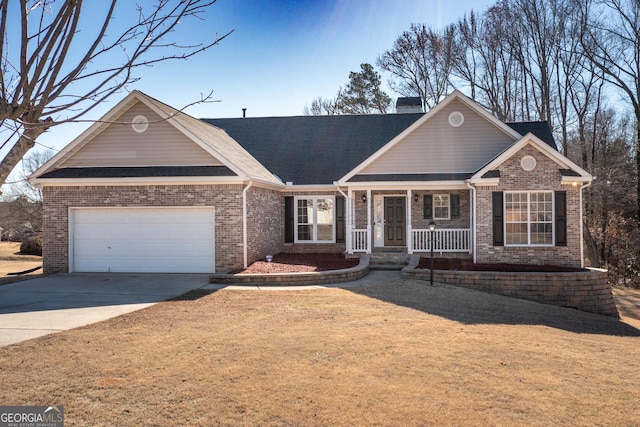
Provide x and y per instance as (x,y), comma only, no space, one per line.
(582,187)
(244,222)
(472,210)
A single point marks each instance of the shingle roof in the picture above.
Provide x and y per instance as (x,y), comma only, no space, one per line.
(139,172)
(314,149)
(412,177)
(322,149)
(539,129)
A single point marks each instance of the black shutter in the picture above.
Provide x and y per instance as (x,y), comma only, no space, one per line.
(428,206)
(498,219)
(289,215)
(341,219)
(455,206)
(561,218)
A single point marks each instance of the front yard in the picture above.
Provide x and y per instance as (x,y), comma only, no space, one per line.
(400,353)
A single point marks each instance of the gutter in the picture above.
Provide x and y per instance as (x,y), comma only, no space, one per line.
(244,223)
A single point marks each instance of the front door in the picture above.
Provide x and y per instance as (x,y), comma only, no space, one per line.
(394,221)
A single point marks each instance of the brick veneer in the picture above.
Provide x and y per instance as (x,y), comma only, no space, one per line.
(265,223)
(226,199)
(545,176)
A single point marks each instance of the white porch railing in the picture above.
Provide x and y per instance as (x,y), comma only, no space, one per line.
(444,240)
(360,240)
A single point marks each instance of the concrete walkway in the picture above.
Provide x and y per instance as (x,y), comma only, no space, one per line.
(32,308)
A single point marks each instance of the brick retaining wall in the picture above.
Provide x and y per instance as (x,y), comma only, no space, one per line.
(585,291)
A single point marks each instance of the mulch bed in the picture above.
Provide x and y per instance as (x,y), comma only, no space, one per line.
(300,263)
(468,265)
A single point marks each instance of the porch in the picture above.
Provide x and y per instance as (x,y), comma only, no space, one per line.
(385,219)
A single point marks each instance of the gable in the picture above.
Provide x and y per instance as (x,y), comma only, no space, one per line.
(438,147)
(119,145)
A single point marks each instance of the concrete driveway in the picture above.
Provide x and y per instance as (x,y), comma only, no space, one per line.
(41,306)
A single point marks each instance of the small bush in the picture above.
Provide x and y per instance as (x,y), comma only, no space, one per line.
(32,246)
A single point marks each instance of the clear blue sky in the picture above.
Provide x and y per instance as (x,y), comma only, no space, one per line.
(280,56)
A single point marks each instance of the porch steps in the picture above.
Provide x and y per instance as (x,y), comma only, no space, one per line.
(389,259)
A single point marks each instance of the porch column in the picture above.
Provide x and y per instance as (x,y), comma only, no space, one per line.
(369,233)
(409,228)
(349,230)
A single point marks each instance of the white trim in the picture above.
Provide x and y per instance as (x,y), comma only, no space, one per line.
(405,185)
(433,207)
(455,95)
(315,198)
(529,222)
(409,229)
(179,180)
(140,123)
(473,213)
(311,187)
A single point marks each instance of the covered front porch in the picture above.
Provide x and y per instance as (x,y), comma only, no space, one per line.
(379,218)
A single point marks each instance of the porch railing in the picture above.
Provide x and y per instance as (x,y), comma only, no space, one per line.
(360,240)
(444,240)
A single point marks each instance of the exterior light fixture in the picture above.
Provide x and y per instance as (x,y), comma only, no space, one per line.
(416,197)
(432,229)
(364,198)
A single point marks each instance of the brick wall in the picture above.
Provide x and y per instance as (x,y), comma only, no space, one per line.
(226,199)
(545,176)
(265,223)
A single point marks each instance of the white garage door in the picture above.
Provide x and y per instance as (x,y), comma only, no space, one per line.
(142,240)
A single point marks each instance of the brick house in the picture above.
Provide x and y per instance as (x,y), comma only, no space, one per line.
(150,189)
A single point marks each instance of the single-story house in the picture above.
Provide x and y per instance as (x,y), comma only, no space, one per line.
(150,189)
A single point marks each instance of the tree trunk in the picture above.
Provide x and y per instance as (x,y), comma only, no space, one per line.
(25,143)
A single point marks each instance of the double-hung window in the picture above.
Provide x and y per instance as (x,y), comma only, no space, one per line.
(528,218)
(315,219)
(441,206)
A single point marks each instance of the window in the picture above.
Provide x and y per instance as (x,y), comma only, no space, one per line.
(528,218)
(314,219)
(441,206)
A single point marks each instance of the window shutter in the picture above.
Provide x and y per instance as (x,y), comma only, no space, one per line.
(561,218)
(498,219)
(428,206)
(289,223)
(341,222)
(455,205)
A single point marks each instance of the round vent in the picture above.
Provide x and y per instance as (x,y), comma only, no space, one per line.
(528,163)
(140,124)
(456,119)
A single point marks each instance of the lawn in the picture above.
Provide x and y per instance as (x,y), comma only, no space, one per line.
(12,261)
(400,353)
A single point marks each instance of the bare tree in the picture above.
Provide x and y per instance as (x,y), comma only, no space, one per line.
(420,62)
(57,64)
(611,38)
(321,106)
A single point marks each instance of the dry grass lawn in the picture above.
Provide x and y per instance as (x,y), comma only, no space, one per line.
(11,261)
(398,353)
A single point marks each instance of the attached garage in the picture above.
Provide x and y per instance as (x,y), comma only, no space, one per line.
(142,240)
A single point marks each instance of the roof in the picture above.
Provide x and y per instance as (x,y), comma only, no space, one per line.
(412,177)
(539,129)
(309,150)
(314,149)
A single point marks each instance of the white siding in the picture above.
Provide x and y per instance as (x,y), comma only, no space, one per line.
(160,145)
(438,147)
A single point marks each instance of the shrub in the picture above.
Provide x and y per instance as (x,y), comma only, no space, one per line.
(32,246)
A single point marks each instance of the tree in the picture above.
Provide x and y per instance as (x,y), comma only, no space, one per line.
(611,38)
(421,63)
(363,94)
(58,64)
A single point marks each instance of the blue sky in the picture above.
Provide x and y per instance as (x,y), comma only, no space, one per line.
(280,56)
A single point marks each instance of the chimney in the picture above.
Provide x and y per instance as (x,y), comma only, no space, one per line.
(244,113)
(412,104)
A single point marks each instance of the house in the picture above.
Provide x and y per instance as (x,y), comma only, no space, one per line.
(150,189)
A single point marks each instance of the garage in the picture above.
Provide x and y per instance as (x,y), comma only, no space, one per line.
(142,240)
